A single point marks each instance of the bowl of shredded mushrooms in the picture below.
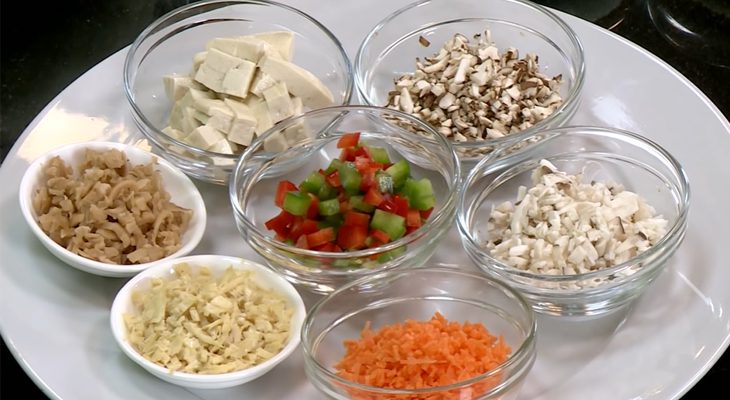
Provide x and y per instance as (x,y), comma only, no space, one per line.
(207,321)
(111,209)
(581,224)
(483,73)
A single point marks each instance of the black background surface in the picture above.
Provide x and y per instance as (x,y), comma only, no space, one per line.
(45,46)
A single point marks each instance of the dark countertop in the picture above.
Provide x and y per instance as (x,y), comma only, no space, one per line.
(67,38)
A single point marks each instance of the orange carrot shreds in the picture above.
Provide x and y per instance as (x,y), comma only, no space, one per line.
(423,354)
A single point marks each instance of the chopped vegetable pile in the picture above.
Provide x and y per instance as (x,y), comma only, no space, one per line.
(361,200)
(423,354)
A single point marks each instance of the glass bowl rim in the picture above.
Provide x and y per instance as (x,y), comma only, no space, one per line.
(154,133)
(434,224)
(491,164)
(524,353)
(577,62)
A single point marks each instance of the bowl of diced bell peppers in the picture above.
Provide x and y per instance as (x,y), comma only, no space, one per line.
(353,195)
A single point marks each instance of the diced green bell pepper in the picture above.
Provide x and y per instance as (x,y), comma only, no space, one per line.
(379,155)
(296,203)
(357,203)
(327,192)
(329,207)
(392,224)
(400,172)
(331,221)
(313,183)
(419,193)
(334,166)
(389,255)
(350,178)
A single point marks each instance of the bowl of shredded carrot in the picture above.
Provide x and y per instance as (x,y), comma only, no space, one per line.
(436,333)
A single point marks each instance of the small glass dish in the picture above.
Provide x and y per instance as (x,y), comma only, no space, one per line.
(254,182)
(396,296)
(418,31)
(609,156)
(169,44)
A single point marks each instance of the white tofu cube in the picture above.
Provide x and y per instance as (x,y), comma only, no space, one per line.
(275,143)
(209,77)
(282,41)
(198,59)
(204,137)
(261,113)
(297,133)
(224,146)
(173,133)
(243,127)
(278,101)
(237,81)
(297,105)
(299,81)
(261,81)
(176,86)
(244,47)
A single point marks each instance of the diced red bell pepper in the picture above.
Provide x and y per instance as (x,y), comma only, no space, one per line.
(368,180)
(352,237)
(328,247)
(352,153)
(302,242)
(348,140)
(313,210)
(362,164)
(379,236)
(344,206)
(413,219)
(281,190)
(373,197)
(303,227)
(401,205)
(388,204)
(354,218)
(322,236)
(281,224)
(333,179)
(426,213)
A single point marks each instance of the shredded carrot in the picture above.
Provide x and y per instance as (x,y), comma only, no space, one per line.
(423,354)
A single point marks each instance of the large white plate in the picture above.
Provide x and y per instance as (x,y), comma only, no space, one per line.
(55,318)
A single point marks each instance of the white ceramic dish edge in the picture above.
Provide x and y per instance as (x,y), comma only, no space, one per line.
(262,276)
(182,191)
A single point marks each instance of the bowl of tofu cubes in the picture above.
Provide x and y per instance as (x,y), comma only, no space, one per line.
(206,79)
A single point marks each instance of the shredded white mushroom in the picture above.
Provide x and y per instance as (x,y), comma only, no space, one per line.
(196,323)
(563,226)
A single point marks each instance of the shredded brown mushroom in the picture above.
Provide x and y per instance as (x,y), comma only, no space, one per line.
(110,211)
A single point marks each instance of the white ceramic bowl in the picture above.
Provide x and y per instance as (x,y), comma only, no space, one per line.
(182,191)
(216,264)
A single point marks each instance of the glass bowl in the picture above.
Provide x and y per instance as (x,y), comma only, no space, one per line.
(394,296)
(391,48)
(169,44)
(255,179)
(584,285)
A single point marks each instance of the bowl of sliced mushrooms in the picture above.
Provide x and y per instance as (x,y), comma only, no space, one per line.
(583,224)
(485,74)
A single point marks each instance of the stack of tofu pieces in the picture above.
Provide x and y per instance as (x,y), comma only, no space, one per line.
(239,88)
